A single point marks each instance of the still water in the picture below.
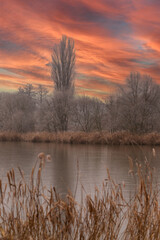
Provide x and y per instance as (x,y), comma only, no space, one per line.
(87,163)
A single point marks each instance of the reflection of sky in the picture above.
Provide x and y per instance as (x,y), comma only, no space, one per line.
(112,38)
(86,163)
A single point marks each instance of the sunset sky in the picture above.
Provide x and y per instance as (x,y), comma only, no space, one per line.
(112,38)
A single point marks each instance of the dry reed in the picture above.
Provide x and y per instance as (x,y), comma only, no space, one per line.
(30,211)
(116,138)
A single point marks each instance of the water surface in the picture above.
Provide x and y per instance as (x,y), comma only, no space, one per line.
(87,163)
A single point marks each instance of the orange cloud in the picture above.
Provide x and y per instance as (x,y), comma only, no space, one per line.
(112,38)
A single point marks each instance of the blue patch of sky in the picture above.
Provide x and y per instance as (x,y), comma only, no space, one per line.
(118,27)
(10,46)
(136,44)
(101,80)
(6,72)
(146,62)
(153,2)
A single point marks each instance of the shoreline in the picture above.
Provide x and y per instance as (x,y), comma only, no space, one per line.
(103,138)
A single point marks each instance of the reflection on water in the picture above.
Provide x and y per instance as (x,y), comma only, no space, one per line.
(88,162)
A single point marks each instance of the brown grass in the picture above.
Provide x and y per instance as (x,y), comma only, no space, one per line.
(30,211)
(117,138)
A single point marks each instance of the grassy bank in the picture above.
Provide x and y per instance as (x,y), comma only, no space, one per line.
(117,138)
(30,211)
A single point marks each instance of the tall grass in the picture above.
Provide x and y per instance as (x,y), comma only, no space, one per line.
(116,138)
(30,211)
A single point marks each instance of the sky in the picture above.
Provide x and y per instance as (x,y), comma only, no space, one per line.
(112,38)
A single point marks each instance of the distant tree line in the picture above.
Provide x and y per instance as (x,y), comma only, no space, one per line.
(134,107)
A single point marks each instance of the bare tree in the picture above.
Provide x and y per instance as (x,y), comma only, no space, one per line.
(16,113)
(61,107)
(63,64)
(54,113)
(112,113)
(62,73)
(45,117)
(41,93)
(27,90)
(83,114)
(138,102)
(98,114)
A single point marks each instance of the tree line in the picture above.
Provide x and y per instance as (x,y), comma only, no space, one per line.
(134,107)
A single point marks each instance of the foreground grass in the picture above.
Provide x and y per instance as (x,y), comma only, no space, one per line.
(30,211)
(117,138)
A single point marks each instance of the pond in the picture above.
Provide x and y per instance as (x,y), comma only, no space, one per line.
(74,166)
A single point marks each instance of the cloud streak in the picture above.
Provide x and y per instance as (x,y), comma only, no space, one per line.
(112,38)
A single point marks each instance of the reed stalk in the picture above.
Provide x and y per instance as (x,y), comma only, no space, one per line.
(30,211)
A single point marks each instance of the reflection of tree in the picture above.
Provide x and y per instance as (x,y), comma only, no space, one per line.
(63,169)
(61,172)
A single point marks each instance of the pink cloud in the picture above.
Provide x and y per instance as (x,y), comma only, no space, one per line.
(112,38)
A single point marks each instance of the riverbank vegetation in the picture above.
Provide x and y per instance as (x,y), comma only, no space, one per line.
(135,109)
(116,138)
(28,210)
